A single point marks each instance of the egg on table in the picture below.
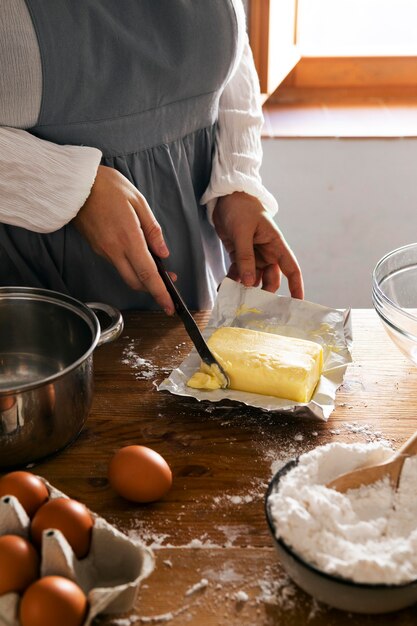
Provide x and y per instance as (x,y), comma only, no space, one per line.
(68,516)
(139,474)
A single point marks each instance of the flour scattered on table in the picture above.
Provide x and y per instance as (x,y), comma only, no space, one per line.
(150,619)
(277,591)
(241,596)
(158,541)
(368,432)
(225,575)
(164,617)
(315,609)
(232,533)
(237,499)
(150,539)
(144,369)
(200,543)
(365,432)
(202,584)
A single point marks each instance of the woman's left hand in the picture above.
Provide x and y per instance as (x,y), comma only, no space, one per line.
(257,248)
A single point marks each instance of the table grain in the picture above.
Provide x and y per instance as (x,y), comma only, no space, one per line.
(211,526)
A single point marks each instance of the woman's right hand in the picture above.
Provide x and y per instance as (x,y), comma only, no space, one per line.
(119,225)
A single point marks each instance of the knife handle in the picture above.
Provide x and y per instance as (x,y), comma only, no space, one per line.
(169,284)
(183,312)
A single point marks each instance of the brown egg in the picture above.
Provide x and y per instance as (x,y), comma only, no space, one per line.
(53,601)
(19,564)
(30,490)
(70,517)
(139,474)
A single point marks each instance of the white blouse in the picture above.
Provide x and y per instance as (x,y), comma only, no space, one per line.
(43,185)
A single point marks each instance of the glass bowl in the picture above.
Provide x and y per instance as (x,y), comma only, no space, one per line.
(394,295)
(335,591)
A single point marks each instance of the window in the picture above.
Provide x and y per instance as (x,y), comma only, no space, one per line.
(369,46)
(357,27)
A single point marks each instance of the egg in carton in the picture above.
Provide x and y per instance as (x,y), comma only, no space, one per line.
(110,575)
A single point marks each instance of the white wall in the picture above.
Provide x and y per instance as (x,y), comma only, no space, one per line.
(343,204)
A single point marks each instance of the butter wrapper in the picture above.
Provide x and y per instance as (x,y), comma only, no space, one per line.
(256,309)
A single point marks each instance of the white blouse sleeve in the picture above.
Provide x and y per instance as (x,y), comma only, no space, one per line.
(238,149)
(43,185)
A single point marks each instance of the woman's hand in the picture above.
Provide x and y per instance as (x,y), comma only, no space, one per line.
(119,225)
(257,249)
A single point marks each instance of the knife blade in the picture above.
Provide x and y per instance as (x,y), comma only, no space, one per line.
(189,323)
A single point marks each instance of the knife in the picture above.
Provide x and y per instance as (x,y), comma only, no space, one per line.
(189,322)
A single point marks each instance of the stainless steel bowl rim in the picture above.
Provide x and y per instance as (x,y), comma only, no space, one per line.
(336,579)
(60,299)
(377,291)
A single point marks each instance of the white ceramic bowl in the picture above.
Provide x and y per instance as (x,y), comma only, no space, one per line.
(332,590)
(394,295)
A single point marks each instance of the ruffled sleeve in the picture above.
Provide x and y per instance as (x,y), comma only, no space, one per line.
(238,149)
(43,185)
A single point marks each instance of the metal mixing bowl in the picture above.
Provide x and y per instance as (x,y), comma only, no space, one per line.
(394,295)
(46,370)
(332,590)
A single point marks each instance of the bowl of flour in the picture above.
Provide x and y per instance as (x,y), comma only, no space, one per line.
(355,551)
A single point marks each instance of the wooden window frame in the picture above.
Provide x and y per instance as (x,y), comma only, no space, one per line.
(262,43)
(338,77)
(259,38)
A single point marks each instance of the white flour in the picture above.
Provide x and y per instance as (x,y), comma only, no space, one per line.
(241,596)
(366,535)
(202,584)
(143,368)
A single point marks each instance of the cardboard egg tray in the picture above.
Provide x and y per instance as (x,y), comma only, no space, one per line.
(110,575)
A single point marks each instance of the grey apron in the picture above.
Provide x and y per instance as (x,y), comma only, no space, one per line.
(141,81)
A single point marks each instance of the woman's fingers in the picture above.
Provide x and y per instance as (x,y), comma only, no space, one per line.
(233,272)
(150,237)
(147,274)
(143,278)
(127,272)
(295,283)
(118,224)
(290,268)
(255,243)
(271,278)
(244,256)
(150,227)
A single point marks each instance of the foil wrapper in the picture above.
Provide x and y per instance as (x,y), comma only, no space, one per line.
(253,308)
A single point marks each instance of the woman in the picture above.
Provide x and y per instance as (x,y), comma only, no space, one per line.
(126,126)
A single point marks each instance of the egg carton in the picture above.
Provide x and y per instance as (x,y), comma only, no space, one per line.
(110,575)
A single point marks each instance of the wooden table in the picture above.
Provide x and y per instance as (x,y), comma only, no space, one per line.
(212,525)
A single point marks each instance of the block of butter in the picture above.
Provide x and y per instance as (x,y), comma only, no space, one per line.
(264,363)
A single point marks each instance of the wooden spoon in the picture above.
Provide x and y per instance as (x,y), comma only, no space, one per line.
(371,473)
